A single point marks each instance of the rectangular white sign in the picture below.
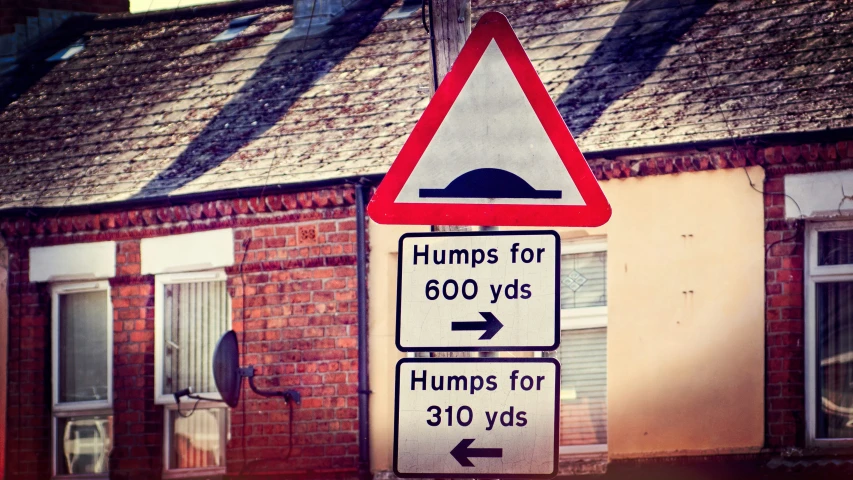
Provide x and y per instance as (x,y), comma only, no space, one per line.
(478,291)
(476,417)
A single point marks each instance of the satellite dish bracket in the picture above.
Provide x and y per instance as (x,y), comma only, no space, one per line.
(287,395)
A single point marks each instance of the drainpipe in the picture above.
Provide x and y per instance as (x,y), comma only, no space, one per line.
(363,385)
(4,349)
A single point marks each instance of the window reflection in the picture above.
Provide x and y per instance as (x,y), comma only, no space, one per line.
(85,444)
(197,439)
(835,247)
(835,354)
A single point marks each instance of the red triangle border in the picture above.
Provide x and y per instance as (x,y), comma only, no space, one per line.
(383,208)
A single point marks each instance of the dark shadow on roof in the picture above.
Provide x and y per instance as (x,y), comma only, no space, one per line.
(31,66)
(628,54)
(288,71)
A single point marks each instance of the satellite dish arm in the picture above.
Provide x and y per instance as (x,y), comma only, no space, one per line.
(287,395)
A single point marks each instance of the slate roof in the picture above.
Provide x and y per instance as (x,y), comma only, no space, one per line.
(151,108)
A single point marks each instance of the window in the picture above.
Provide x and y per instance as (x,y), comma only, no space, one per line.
(192,311)
(82,348)
(583,347)
(829,333)
(235,27)
(196,440)
(68,51)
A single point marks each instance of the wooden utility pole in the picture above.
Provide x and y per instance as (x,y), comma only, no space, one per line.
(450,25)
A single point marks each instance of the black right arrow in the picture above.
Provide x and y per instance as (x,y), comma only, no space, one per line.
(491,326)
(462,452)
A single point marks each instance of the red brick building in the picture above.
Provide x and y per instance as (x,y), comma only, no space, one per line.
(291,286)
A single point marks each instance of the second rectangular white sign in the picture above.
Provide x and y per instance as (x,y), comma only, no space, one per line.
(476,417)
(480,291)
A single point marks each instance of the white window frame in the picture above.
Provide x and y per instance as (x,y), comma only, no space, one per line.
(56,454)
(69,288)
(224,427)
(160,281)
(582,319)
(812,275)
(77,409)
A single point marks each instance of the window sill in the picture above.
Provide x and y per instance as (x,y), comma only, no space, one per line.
(822,449)
(594,463)
(581,450)
(98,476)
(200,473)
(212,400)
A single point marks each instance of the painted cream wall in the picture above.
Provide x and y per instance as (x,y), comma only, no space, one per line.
(383,353)
(685,316)
(686,370)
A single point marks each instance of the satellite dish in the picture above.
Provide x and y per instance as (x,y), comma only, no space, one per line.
(228,375)
(226,368)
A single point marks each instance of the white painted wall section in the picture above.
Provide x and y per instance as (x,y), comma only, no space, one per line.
(188,252)
(819,195)
(78,261)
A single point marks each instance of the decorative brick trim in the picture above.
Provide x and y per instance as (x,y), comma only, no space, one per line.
(143,222)
(816,155)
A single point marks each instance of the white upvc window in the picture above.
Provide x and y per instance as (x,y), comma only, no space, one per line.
(583,347)
(192,311)
(82,352)
(829,333)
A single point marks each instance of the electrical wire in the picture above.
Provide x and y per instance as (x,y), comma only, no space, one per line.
(431,32)
(799,225)
(729,129)
(197,398)
(423,15)
(187,415)
(246,243)
(310,20)
(247,466)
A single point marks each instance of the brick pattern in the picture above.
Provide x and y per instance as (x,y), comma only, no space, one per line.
(27,425)
(784,244)
(17,11)
(784,315)
(173,219)
(293,307)
(774,156)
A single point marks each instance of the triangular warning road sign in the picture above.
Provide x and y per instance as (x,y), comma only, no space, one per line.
(490,149)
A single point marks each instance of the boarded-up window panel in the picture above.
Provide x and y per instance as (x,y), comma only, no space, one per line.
(195,316)
(583,387)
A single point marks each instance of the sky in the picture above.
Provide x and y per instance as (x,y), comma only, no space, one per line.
(139,6)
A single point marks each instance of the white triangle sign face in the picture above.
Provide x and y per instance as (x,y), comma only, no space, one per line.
(491,149)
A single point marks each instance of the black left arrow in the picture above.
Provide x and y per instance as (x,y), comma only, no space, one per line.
(490,327)
(463,452)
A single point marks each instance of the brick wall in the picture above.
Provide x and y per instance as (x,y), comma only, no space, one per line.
(293,307)
(16,11)
(784,242)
